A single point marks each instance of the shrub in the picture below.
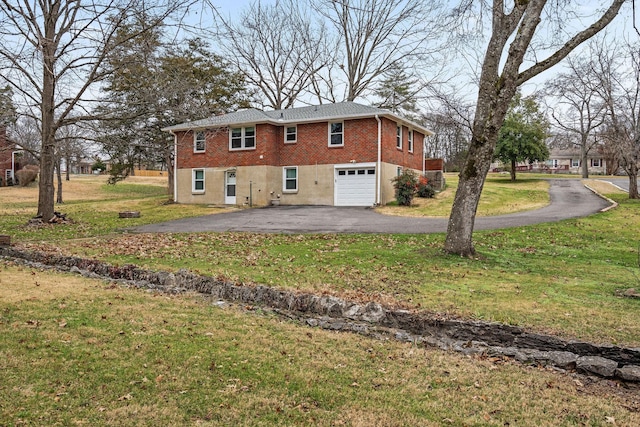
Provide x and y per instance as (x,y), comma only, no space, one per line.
(406,185)
(27,175)
(425,189)
(99,166)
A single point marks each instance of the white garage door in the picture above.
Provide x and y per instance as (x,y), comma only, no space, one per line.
(355,186)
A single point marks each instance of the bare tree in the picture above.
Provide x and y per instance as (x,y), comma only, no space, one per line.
(51,52)
(619,85)
(510,59)
(576,106)
(277,47)
(378,35)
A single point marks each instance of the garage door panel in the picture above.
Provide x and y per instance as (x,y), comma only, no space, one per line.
(355,187)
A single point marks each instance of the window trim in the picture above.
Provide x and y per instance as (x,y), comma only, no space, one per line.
(295,134)
(243,138)
(284,179)
(196,140)
(398,136)
(410,140)
(598,161)
(341,123)
(194,190)
(575,163)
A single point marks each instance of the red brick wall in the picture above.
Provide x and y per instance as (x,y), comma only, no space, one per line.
(402,157)
(312,146)
(5,153)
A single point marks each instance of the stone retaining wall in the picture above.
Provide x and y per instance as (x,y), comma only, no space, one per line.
(372,319)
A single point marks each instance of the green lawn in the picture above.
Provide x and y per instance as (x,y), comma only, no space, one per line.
(560,278)
(75,351)
(80,352)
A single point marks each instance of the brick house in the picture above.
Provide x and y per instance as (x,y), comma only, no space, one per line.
(342,154)
(570,162)
(7,148)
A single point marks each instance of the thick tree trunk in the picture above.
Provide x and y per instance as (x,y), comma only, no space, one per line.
(48,149)
(474,171)
(513,169)
(583,156)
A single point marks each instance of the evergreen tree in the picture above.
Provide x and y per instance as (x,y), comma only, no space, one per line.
(523,134)
(7,109)
(397,92)
(155,85)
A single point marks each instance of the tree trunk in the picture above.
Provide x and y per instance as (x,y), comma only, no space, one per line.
(583,156)
(633,182)
(494,94)
(47,153)
(513,170)
(68,171)
(59,175)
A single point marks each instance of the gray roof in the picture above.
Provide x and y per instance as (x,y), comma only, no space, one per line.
(572,153)
(316,113)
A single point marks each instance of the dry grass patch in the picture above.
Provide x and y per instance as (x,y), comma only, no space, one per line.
(602,187)
(500,196)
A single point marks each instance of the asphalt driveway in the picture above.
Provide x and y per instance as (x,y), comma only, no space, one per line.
(569,199)
(622,183)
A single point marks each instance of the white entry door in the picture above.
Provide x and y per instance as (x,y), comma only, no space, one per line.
(230,188)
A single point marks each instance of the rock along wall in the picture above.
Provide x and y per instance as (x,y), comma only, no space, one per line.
(372,319)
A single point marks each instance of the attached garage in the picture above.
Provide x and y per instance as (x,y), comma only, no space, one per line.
(355,186)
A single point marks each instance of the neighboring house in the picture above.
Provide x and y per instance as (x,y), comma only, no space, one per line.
(342,154)
(560,161)
(8,162)
(568,161)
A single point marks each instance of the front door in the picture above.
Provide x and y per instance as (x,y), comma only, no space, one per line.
(230,188)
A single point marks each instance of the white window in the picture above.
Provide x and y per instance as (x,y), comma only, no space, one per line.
(399,137)
(336,134)
(596,163)
(410,142)
(242,138)
(197,180)
(399,171)
(575,163)
(290,134)
(290,179)
(199,140)
(554,162)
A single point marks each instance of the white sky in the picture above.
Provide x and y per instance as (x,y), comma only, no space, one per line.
(622,27)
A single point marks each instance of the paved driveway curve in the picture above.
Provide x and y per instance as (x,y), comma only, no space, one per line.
(569,199)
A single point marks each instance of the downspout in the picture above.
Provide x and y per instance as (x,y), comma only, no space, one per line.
(424,154)
(379,163)
(175,166)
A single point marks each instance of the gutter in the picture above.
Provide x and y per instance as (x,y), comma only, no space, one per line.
(379,162)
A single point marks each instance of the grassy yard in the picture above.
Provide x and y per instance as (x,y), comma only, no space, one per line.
(76,351)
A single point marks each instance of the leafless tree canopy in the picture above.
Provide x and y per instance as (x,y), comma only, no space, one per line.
(377,35)
(618,74)
(575,106)
(51,53)
(278,48)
